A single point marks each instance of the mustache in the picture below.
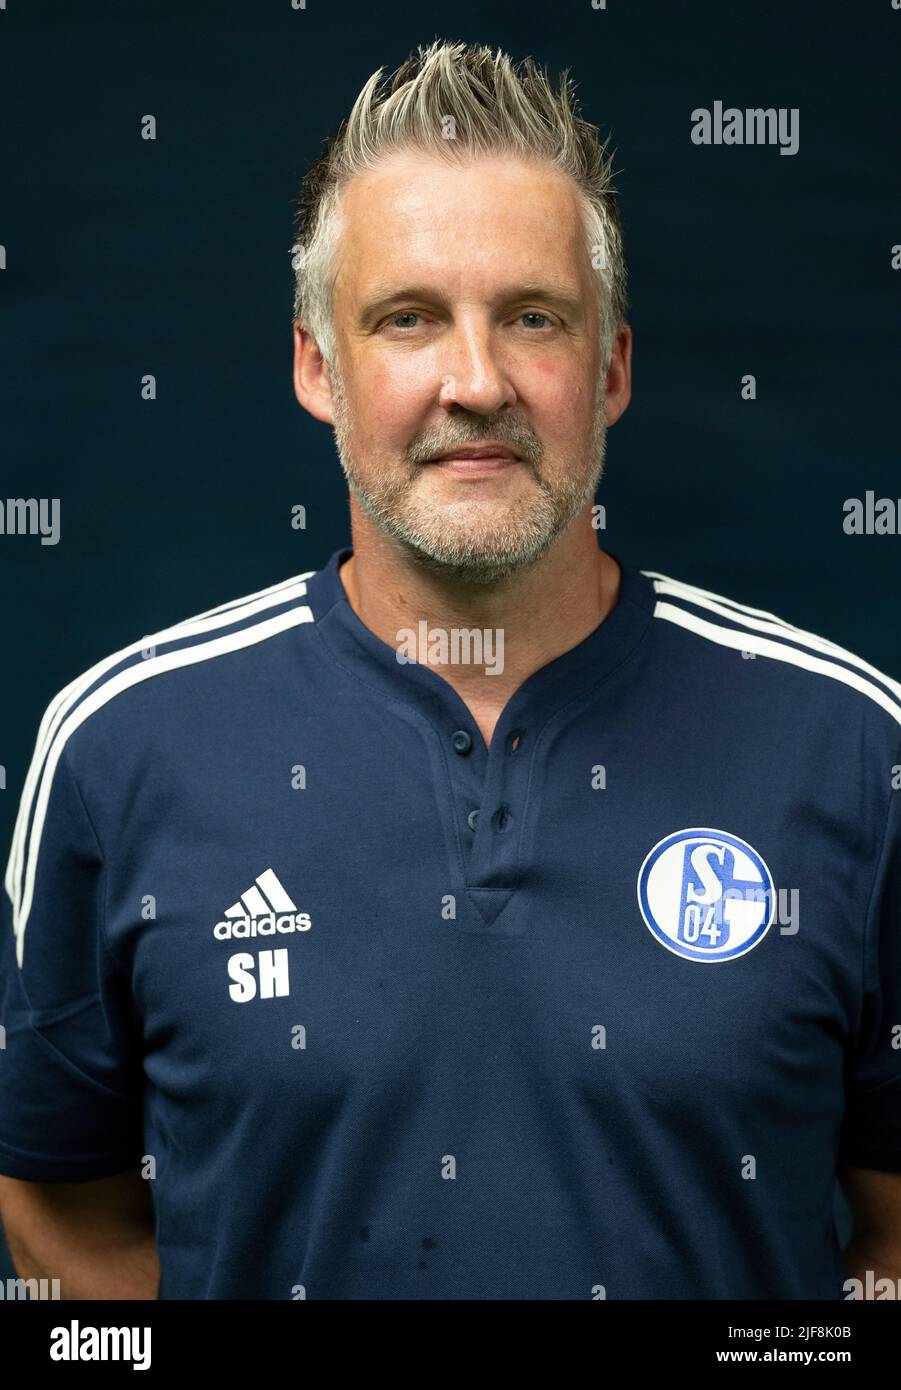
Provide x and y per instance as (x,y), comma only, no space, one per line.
(502,430)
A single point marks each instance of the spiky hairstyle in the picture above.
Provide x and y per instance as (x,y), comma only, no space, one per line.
(491,106)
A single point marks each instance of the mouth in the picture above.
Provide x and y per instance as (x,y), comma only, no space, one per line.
(472,460)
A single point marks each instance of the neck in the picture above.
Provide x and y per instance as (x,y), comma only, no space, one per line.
(527,620)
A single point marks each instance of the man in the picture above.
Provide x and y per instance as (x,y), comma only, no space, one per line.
(478,916)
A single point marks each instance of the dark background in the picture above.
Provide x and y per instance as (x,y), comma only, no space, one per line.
(172,257)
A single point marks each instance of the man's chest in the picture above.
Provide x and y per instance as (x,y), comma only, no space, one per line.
(353,933)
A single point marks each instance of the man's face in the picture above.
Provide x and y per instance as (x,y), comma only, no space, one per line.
(466,313)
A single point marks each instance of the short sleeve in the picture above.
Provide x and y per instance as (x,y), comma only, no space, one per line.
(871,1134)
(70,1059)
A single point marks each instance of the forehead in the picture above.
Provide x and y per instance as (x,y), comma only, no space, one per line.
(417,213)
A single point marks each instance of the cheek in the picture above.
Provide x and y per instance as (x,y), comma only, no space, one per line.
(561,397)
(393,401)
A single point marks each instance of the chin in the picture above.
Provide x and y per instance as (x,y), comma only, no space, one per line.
(476,557)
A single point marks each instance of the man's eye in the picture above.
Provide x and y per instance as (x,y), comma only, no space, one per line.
(405,314)
(534,314)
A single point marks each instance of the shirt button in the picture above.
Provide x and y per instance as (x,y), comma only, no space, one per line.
(462,741)
(473,819)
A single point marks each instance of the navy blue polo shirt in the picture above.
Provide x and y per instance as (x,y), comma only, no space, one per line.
(609,1037)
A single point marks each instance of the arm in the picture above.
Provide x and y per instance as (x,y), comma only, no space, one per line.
(875,1202)
(72,1200)
(96,1237)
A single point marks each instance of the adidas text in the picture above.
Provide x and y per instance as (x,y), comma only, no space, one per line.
(266,925)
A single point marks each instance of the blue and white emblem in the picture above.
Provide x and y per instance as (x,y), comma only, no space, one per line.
(706,895)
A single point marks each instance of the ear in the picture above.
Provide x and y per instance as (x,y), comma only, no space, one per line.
(618,390)
(312,386)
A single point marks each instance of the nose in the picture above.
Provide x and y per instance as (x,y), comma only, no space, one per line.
(474,376)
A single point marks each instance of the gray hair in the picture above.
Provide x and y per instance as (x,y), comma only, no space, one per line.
(490,106)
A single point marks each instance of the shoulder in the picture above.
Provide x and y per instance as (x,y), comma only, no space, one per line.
(202,644)
(121,703)
(713,628)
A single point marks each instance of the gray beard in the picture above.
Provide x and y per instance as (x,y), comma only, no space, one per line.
(483,558)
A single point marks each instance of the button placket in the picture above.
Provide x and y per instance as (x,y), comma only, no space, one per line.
(492,826)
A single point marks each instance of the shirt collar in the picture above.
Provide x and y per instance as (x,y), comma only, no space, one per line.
(358,650)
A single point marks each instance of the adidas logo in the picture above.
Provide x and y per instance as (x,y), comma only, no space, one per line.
(262,911)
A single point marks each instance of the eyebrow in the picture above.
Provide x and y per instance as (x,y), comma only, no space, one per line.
(553,292)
